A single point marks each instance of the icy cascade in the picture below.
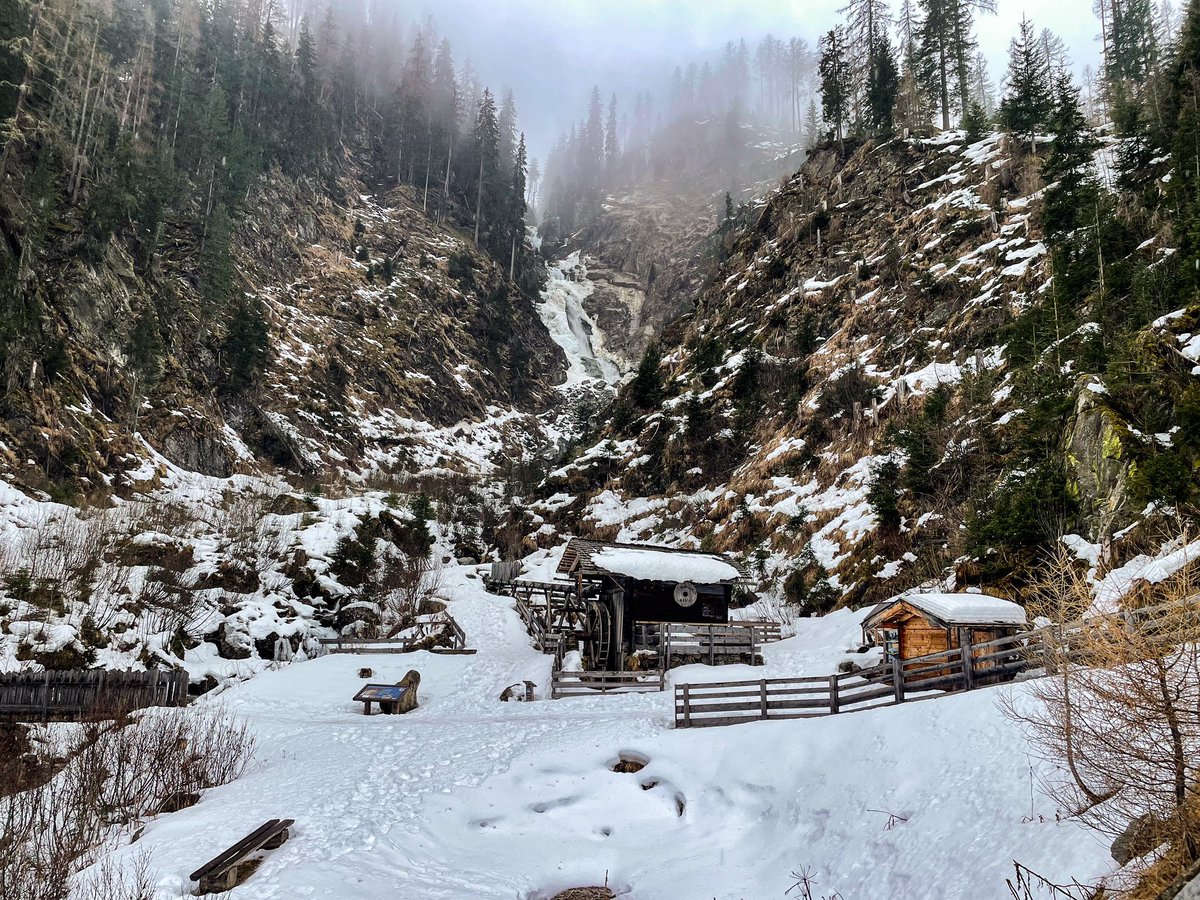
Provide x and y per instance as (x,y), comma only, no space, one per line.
(562,312)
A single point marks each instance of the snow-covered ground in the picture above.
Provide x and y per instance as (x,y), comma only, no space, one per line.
(468,797)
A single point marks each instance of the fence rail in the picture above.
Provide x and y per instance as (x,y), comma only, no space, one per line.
(587,684)
(88,692)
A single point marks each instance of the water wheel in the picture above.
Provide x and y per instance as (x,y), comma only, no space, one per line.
(599,636)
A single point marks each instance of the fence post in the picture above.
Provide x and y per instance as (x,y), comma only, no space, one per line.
(967,650)
(898,678)
(762,694)
(687,707)
(833,695)
(712,656)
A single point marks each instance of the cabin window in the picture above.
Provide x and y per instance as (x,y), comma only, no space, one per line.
(891,643)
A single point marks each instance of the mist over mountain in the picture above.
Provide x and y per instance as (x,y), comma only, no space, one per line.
(417,420)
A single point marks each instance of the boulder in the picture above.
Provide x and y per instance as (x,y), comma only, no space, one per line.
(1098,464)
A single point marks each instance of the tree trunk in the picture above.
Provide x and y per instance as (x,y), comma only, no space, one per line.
(479,199)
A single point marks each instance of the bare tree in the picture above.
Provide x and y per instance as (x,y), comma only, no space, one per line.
(1118,720)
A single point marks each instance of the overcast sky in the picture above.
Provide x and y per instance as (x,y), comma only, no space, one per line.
(550,52)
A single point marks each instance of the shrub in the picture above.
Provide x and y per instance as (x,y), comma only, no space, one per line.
(851,387)
(462,268)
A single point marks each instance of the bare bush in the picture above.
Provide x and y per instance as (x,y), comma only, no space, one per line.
(117,776)
(108,881)
(404,582)
(1118,718)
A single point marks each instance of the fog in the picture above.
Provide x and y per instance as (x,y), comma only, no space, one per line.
(551,52)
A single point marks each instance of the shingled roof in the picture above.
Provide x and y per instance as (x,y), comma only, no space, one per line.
(648,562)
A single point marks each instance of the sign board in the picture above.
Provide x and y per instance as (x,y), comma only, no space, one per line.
(381,692)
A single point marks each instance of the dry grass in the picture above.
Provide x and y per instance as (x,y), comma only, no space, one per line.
(117,776)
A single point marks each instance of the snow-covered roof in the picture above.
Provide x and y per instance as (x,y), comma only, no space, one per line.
(647,563)
(958,609)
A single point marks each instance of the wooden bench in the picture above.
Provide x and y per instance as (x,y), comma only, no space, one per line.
(220,873)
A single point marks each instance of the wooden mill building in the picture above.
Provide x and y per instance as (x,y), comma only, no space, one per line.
(646,583)
(918,624)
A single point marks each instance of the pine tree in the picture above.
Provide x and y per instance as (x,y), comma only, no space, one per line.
(1068,169)
(883,84)
(946,46)
(812,125)
(247,343)
(216,267)
(612,147)
(487,155)
(866,22)
(835,82)
(1028,103)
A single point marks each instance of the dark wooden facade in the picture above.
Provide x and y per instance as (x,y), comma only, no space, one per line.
(629,599)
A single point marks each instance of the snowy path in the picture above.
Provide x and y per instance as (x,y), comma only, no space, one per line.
(472,798)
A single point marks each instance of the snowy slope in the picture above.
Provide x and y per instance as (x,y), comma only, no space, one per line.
(472,798)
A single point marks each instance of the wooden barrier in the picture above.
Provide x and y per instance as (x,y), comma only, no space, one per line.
(588,684)
(436,625)
(736,702)
(714,644)
(88,692)
(964,668)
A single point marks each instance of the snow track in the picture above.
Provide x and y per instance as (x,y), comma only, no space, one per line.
(468,797)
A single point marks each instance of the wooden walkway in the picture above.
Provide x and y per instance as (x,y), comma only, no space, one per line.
(432,627)
(898,681)
(42,696)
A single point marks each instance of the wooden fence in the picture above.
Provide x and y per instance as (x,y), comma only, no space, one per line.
(735,702)
(713,644)
(963,668)
(88,692)
(433,627)
(587,684)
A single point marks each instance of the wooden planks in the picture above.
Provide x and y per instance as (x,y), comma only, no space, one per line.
(72,694)
(588,684)
(443,622)
(735,702)
(220,873)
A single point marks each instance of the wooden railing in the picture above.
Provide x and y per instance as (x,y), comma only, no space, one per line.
(712,644)
(966,667)
(88,692)
(764,632)
(587,684)
(736,702)
(442,623)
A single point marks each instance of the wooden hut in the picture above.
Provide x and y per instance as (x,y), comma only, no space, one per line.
(646,583)
(918,624)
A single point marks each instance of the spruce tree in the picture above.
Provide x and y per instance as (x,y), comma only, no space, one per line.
(1028,104)
(247,343)
(1069,169)
(834,70)
(883,84)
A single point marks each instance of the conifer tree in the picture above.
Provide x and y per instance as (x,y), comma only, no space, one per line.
(883,84)
(612,147)
(834,70)
(1068,169)
(1028,102)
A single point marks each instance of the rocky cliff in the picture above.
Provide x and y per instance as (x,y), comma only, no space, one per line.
(874,389)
